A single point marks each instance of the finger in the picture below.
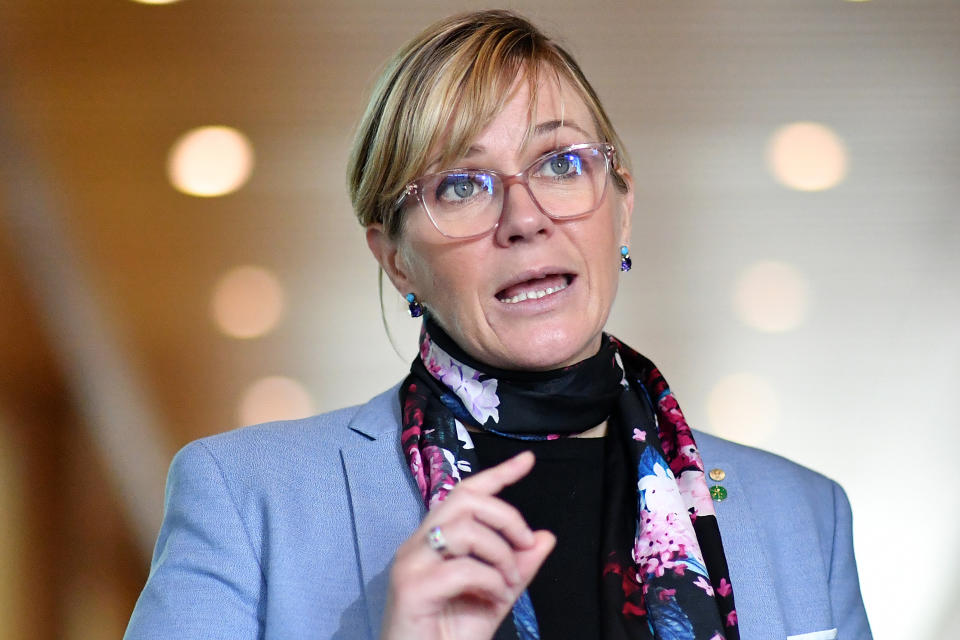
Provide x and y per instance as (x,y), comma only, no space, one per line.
(468,575)
(492,481)
(488,510)
(507,522)
(467,537)
(451,579)
(530,560)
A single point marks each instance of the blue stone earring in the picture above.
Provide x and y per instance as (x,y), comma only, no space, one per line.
(415,309)
(625,262)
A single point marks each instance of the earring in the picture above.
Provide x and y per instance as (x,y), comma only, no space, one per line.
(415,309)
(625,262)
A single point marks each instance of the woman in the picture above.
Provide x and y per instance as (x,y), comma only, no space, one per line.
(496,197)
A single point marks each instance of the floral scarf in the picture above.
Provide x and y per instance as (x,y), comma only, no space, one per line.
(665,575)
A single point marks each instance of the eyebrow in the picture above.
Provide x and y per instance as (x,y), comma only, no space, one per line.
(541,129)
(553,125)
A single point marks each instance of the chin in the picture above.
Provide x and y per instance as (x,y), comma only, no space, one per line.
(549,349)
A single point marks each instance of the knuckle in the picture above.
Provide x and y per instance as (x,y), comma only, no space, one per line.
(512,513)
(457,500)
(472,570)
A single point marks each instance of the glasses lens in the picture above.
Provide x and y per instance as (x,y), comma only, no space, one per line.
(566,184)
(570,183)
(463,203)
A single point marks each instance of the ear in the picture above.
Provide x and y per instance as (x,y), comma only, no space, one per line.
(387,252)
(626,207)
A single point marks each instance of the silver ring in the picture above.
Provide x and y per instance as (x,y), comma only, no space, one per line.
(438,543)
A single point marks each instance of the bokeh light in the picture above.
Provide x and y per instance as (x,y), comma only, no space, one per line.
(274,398)
(247,302)
(772,296)
(743,407)
(807,156)
(210,161)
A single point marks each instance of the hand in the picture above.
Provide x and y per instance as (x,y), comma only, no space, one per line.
(491,556)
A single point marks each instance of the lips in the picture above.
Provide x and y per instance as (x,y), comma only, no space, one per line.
(533,286)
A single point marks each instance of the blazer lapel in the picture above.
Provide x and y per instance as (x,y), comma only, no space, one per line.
(750,570)
(384,499)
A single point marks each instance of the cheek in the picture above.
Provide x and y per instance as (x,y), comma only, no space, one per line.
(604,258)
(442,276)
(604,241)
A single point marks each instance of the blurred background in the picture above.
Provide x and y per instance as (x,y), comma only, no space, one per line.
(178,257)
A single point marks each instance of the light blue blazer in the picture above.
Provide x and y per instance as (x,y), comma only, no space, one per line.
(287,531)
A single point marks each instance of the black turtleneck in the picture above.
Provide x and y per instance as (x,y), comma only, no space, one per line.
(563,494)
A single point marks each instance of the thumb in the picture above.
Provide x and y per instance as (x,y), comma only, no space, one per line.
(530,560)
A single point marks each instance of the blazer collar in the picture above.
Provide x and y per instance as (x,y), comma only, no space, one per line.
(751,572)
(380,416)
(384,498)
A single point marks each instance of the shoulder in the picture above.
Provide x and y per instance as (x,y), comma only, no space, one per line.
(788,501)
(279,455)
(759,467)
(258,506)
(322,432)
(789,497)
(787,533)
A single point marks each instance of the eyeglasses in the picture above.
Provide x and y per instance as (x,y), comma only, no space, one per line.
(565,183)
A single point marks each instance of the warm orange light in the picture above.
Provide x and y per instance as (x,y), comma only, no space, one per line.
(807,156)
(210,161)
(247,302)
(274,398)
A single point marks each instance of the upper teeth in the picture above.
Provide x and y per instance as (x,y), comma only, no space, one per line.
(533,295)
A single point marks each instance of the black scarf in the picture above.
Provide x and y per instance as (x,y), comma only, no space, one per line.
(665,574)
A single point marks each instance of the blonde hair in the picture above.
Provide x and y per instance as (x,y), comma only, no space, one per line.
(444,87)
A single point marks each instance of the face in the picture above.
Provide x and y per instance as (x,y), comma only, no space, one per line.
(473,288)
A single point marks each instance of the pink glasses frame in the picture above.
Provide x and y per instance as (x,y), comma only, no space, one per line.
(415,187)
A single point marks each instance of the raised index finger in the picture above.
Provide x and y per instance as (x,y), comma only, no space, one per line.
(492,481)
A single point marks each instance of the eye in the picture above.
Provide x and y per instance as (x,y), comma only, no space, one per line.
(458,187)
(561,165)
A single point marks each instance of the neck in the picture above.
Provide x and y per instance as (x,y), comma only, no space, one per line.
(597,432)
(572,401)
(594,432)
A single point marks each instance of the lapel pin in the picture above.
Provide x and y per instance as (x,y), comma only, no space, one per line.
(717,475)
(718,493)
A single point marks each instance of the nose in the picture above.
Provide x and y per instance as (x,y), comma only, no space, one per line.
(521,219)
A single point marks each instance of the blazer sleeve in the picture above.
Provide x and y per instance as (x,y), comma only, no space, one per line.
(846,601)
(205,578)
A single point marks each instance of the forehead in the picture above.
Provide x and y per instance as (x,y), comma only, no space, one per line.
(551,110)
(553,106)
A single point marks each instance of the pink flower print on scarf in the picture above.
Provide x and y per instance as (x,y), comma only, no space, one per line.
(479,397)
(665,537)
(444,474)
(412,433)
(696,494)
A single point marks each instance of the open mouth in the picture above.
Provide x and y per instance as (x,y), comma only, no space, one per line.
(535,288)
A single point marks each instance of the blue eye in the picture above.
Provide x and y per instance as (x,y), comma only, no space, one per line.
(463,186)
(562,164)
